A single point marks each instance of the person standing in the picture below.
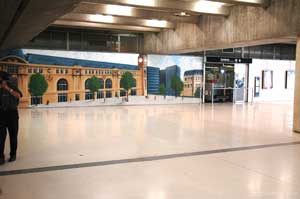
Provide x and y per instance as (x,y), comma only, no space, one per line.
(9,116)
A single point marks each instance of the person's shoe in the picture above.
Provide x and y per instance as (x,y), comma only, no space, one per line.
(12,158)
(2,161)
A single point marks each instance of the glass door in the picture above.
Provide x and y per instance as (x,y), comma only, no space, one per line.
(240,89)
(219,83)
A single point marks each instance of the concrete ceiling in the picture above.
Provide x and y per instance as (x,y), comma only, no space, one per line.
(21,20)
(147,14)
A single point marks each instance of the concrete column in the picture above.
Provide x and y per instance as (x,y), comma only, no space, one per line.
(297,90)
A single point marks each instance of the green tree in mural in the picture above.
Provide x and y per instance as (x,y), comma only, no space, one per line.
(197,93)
(162,90)
(127,82)
(94,84)
(37,86)
(177,85)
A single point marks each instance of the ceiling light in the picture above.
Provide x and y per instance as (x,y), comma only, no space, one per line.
(157,23)
(102,18)
(204,5)
(119,10)
(182,14)
(141,2)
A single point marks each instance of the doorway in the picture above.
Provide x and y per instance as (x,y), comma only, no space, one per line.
(226,83)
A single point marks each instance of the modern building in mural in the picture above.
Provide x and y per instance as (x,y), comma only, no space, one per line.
(167,76)
(153,80)
(174,65)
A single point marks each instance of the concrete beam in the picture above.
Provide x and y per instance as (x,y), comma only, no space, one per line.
(196,7)
(128,11)
(33,18)
(89,25)
(245,26)
(9,13)
(118,20)
(262,3)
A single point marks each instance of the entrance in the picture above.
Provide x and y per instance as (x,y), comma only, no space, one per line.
(241,83)
(219,83)
(226,82)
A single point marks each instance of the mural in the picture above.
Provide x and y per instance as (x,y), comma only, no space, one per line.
(185,63)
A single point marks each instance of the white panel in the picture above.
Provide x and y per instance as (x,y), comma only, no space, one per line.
(278,93)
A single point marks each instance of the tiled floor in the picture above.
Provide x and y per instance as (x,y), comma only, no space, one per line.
(53,137)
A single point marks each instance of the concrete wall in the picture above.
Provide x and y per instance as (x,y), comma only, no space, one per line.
(245,26)
(279,68)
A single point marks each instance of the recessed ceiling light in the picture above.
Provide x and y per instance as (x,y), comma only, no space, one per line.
(119,10)
(204,5)
(157,23)
(182,14)
(102,18)
(142,2)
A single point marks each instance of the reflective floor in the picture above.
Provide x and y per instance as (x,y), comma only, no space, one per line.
(54,138)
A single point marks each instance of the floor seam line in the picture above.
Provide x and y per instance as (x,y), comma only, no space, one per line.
(140,159)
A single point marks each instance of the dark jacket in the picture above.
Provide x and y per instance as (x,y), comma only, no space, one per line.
(7,101)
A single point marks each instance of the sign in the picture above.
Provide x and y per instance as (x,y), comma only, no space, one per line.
(228,60)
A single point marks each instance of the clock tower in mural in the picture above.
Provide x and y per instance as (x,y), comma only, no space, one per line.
(142,63)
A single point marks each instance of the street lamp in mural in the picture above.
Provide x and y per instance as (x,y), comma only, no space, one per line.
(267,79)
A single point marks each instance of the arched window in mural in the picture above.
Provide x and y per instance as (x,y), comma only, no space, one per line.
(86,84)
(108,84)
(62,85)
(100,93)
(88,94)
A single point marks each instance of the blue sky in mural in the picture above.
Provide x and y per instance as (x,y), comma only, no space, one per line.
(184,62)
(122,58)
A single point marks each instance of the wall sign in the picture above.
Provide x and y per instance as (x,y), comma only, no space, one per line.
(228,60)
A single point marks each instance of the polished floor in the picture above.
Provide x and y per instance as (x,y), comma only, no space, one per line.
(156,152)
